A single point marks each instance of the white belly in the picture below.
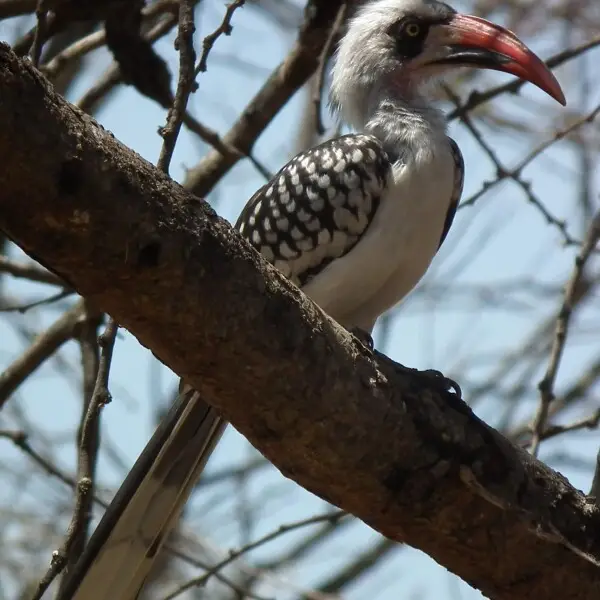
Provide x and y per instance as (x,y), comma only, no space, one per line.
(397,249)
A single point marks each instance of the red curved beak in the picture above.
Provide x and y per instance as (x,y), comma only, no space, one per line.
(476,42)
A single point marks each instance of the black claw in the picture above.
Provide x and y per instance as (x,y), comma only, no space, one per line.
(439,380)
(445,382)
(363,337)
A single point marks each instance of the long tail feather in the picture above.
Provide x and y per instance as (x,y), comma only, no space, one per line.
(126,542)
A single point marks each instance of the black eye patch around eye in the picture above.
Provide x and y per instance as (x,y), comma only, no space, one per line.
(409,46)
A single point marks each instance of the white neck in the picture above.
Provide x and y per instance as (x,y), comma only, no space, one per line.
(406,127)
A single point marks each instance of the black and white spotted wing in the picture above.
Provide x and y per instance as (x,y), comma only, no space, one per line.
(316,208)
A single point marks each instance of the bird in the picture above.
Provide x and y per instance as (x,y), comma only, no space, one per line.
(354,222)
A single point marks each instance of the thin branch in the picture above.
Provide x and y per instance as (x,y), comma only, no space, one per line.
(175,551)
(84,495)
(88,435)
(546,385)
(211,137)
(199,581)
(350,572)
(228,473)
(296,68)
(23,308)
(515,173)
(75,51)
(40,32)
(187,56)
(21,441)
(559,135)
(40,350)
(97,39)
(308,544)
(502,173)
(112,76)
(30,271)
(225,28)
(576,393)
(590,422)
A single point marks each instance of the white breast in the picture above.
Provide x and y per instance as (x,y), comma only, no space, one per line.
(397,249)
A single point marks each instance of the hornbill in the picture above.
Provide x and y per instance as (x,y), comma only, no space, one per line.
(354,222)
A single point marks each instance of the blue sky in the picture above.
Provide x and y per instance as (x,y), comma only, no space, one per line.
(501,239)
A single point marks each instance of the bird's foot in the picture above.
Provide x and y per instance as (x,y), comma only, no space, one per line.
(363,337)
(438,379)
(442,382)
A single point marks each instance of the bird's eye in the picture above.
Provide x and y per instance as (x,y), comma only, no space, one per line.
(412,29)
(409,36)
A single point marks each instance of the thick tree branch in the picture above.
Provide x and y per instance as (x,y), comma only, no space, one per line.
(362,432)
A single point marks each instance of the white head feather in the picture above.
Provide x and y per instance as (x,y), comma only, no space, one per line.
(368,72)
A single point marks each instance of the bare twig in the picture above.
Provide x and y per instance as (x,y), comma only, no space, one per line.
(210,136)
(20,440)
(348,573)
(112,76)
(225,28)
(186,84)
(229,473)
(199,564)
(516,171)
(23,308)
(30,271)
(514,174)
(292,555)
(97,39)
(590,422)
(88,435)
(41,349)
(40,32)
(198,581)
(84,494)
(559,135)
(76,50)
(577,392)
(546,385)
(187,57)
(287,78)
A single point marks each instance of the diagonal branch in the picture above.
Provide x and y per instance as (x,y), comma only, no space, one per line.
(288,77)
(358,430)
(546,385)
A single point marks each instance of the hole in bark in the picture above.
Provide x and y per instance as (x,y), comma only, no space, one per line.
(149,255)
(396,479)
(70,176)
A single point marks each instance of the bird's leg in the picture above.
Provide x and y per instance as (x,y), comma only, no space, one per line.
(363,337)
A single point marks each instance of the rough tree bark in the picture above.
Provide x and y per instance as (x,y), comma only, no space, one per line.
(383,443)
